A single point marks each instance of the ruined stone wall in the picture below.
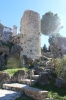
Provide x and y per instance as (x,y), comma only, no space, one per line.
(30,34)
(15,39)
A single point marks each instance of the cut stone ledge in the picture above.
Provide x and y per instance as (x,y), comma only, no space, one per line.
(35,93)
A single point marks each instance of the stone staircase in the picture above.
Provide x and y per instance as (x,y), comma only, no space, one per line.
(36,77)
(26,84)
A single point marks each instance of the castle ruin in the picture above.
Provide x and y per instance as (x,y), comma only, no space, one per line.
(29,37)
(30,27)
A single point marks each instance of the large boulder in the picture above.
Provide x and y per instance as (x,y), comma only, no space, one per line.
(60,83)
(44,79)
(19,76)
(4,78)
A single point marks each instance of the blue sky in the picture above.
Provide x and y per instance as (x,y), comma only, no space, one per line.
(11,12)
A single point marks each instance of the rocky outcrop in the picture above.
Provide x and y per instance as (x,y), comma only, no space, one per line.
(5,33)
(44,79)
(4,78)
(18,76)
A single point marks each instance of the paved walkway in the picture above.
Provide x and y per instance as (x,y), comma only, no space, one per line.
(8,94)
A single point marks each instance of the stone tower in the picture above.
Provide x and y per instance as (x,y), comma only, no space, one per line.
(15,30)
(30,28)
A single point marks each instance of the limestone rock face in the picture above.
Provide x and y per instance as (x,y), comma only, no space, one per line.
(30,34)
(5,33)
(4,78)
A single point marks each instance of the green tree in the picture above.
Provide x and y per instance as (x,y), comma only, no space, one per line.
(44,48)
(52,38)
(50,24)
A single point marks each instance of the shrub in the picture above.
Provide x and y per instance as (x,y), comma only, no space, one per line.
(13,63)
(60,67)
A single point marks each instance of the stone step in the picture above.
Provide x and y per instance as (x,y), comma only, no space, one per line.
(27,81)
(47,69)
(35,77)
(35,93)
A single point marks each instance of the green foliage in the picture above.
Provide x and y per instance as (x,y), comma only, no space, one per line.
(50,23)
(8,45)
(13,63)
(14,70)
(60,67)
(1,53)
(44,48)
(39,33)
(51,40)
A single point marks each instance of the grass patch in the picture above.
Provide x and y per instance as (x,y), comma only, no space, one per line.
(12,71)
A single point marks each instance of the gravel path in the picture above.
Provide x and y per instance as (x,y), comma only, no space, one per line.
(8,95)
